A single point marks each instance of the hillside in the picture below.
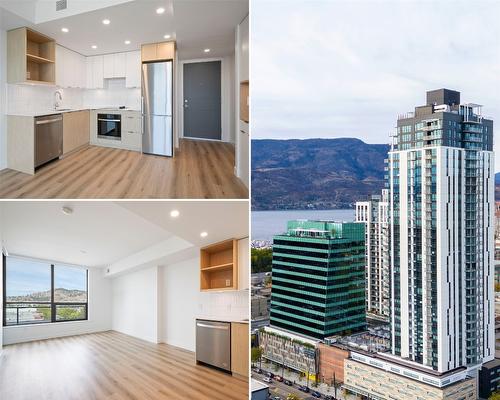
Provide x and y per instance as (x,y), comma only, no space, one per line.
(60,294)
(315,173)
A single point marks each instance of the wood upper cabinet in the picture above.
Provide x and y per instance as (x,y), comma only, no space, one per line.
(219,266)
(76,130)
(158,51)
(31,57)
(240,347)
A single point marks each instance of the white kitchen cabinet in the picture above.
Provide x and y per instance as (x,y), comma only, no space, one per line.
(131,130)
(243,265)
(244,50)
(108,66)
(94,73)
(70,68)
(114,65)
(133,72)
(120,61)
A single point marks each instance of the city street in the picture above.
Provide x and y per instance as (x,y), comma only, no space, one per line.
(280,389)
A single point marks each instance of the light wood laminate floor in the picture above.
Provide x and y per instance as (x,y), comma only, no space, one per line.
(199,170)
(110,365)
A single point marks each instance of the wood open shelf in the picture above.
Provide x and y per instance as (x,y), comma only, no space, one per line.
(219,266)
(31,57)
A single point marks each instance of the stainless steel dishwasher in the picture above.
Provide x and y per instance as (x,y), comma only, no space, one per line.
(213,343)
(48,138)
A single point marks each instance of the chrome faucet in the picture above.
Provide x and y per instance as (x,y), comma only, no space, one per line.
(56,103)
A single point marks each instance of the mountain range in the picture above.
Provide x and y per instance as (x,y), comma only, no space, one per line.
(60,295)
(317,173)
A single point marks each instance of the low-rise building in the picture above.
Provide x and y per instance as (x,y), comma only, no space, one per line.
(260,391)
(259,306)
(331,362)
(379,384)
(290,350)
(489,378)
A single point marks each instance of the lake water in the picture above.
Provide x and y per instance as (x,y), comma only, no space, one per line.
(266,224)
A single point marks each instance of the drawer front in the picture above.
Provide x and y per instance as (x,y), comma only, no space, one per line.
(131,123)
(132,140)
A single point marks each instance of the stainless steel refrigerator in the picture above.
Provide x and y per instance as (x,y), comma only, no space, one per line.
(157,122)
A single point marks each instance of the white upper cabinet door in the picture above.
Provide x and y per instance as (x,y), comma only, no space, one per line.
(133,75)
(120,61)
(60,65)
(109,66)
(98,72)
(81,77)
(89,72)
(244,47)
(243,264)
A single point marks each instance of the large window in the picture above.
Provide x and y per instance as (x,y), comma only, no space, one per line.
(40,292)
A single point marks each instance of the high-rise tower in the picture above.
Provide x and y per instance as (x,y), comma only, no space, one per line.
(374,212)
(442,234)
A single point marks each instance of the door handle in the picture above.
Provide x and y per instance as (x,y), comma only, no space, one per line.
(224,328)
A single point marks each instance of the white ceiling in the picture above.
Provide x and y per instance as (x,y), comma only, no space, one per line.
(194,24)
(99,233)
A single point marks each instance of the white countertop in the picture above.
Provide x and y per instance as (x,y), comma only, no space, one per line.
(223,319)
(40,113)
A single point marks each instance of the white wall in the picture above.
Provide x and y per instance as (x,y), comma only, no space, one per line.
(182,302)
(3,103)
(134,304)
(1,280)
(99,316)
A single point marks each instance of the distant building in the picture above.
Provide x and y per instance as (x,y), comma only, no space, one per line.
(319,278)
(441,175)
(259,307)
(293,351)
(260,391)
(489,378)
(376,379)
(374,213)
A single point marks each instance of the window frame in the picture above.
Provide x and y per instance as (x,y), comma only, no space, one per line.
(50,304)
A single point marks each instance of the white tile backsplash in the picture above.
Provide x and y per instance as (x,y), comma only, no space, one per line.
(21,98)
(224,305)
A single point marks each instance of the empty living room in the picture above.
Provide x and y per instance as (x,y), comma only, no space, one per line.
(124,300)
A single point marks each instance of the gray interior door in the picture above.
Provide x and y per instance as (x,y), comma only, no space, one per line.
(202,100)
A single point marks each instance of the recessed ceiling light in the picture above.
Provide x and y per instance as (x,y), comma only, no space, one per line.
(106,21)
(67,210)
(94,46)
(174,213)
(127,41)
(160,10)
(207,50)
(65,30)
(167,36)
(83,252)
(203,234)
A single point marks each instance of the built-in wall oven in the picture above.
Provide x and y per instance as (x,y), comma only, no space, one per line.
(109,126)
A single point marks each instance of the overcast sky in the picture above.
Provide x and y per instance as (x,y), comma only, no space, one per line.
(348,68)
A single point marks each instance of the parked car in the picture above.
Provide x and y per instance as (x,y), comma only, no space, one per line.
(287,382)
(269,374)
(277,398)
(278,378)
(257,370)
(267,379)
(316,394)
(328,397)
(304,389)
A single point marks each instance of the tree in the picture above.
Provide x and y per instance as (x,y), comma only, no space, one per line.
(292,396)
(256,355)
(262,260)
(495,396)
(497,287)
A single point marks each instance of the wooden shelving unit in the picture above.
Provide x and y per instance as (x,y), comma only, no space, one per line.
(31,57)
(219,266)
(244,101)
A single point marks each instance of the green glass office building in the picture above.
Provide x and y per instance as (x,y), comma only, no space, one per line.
(318,278)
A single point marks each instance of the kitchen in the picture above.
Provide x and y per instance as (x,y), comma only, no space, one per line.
(91,112)
(162,302)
